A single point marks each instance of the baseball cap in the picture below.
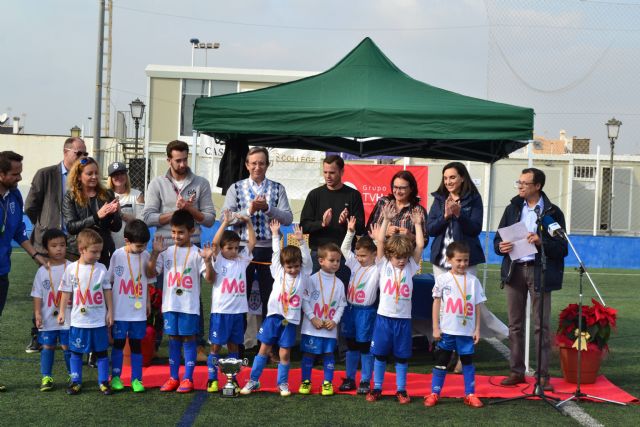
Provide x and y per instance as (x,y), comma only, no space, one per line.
(116,167)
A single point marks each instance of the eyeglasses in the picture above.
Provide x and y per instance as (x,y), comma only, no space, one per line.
(522,183)
(257,164)
(400,187)
(78,153)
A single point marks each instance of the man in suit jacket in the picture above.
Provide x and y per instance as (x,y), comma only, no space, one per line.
(43,204)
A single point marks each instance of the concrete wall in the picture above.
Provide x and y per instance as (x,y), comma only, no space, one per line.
(164,117)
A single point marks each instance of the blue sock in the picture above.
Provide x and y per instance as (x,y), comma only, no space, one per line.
(352,359)
(283,373)
(306,365)
(103,369)
(67,360)
(259,362)
(175,348)
(76,367)
(329,364)
(136,366)
(212,366)
(366,359)
(379,367)
(469,374)
(46,361)
(116,362)
(190,354)
(437,380)
(401,376)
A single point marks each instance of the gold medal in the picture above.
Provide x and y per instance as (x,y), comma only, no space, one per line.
(138,305)
(285,322)
(178,291)
(464,296)
(83,310)
(464,322)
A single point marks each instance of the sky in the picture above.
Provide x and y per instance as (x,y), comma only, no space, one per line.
(574,61)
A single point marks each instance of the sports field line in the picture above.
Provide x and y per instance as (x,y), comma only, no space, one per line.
(191,413)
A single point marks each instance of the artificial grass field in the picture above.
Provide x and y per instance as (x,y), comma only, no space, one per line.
(24,404)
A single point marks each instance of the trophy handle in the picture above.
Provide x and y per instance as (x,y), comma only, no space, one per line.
(245,362)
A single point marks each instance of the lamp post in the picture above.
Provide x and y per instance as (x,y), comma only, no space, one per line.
(75,132)
(137,111)
(195,44)
(613,128)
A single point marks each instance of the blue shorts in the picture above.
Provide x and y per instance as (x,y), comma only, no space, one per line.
(122,329)
(87,340)
(357,322)
(182,324)
(462,344)
(54,337)
(391,336)
(317,345)
(226,328)
(272,331)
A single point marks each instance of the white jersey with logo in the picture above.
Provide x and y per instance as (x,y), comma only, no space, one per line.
(128,289)
(363,284)
(396,288)
(45,286)
(229,293)
(181,283)
(454,303)
(87,293)
(287,290)
(315,296)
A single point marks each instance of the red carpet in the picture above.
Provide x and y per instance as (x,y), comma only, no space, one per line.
(417,384)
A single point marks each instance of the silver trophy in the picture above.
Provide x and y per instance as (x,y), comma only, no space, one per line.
(231,367)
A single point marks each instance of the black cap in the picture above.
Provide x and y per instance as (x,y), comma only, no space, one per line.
(116,167)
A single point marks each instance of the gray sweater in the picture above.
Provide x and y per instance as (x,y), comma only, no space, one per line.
(161,198)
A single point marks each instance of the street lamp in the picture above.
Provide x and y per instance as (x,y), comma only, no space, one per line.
(75,132)
(196,44)
(137,111)
(613,128)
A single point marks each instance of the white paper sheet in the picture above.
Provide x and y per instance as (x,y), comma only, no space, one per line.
(517,235)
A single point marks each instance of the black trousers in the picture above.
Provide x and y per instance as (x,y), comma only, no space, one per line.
(262,273)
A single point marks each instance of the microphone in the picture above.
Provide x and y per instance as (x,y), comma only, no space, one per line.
(553,228)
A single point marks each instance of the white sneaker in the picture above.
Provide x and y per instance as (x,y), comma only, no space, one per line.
(284,389)
(249,387)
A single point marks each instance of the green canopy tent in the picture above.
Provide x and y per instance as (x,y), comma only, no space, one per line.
(366,106)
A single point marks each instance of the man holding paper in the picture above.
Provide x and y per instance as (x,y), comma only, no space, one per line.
(521,269)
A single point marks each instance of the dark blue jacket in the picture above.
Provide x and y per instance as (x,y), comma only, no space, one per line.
(13,227)
(555,248)
(465,228)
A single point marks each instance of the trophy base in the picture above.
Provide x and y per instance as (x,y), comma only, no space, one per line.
(229,390)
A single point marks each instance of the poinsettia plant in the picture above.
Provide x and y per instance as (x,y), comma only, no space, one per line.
(597,323)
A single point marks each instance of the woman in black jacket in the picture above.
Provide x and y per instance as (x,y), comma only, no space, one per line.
(87,204)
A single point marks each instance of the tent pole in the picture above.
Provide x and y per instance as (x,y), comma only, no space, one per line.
(194,148)
(487,225)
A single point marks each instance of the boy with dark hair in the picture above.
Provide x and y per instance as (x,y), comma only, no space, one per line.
(131,305)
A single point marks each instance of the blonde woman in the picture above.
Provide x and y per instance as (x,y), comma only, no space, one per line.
(87,204)
(131,200)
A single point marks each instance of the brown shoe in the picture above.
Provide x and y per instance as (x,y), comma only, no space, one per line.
(513,379)
(546,384)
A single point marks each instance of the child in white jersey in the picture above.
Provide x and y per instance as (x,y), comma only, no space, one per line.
(229,294)
(290,269)
(398,261)
(128,275)
(323,304)
(46,306)
(183,264)
(456,322)
(359,316)
(86,283)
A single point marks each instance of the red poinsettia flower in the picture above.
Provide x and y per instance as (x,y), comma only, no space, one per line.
(569,313)
(597,321)
(604,315)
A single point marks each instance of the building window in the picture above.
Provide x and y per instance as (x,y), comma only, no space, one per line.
(586,173)
(191,90)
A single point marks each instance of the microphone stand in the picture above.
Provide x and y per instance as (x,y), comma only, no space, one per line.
(578,395)
(538,390)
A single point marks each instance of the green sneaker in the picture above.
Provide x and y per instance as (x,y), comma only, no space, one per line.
(136,386)
(116,384)
(3,388)
(305,387)
(327,389)
(212,386)
(69,380)
(46,384)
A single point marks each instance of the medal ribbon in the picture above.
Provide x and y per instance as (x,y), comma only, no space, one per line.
(83,295)
(355,281)
(138,280)
(175,263)
(464,296)
(56,296)
(285,293)
(396,281)
(325,307)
